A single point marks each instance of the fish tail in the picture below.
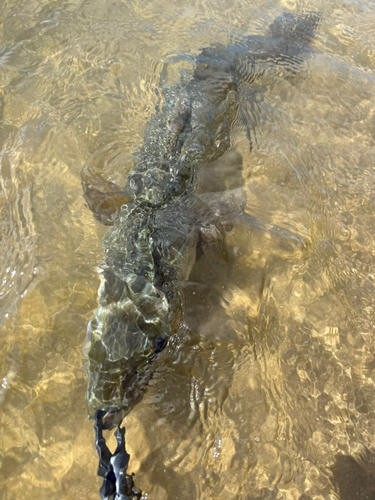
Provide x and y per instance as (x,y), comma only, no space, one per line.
(299,30)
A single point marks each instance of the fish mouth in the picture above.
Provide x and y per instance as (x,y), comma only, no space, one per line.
(116,387)
(112,419)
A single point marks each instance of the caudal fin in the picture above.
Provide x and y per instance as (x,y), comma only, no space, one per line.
(298,30)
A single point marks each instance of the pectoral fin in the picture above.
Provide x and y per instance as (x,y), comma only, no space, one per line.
(226,210)
(103,198)
(283,237)
(210,235)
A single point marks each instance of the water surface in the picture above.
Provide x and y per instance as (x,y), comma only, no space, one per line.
(267,392)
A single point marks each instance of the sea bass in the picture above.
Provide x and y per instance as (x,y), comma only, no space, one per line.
(160,224)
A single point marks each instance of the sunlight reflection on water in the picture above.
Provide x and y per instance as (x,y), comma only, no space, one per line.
(267,390)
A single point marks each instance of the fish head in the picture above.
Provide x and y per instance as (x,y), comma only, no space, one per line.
(130,325)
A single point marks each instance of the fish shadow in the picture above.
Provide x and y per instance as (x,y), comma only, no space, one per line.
(354,479)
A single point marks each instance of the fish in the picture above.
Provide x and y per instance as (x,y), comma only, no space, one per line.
(161,222)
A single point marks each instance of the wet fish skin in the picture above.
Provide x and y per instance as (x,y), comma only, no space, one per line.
(153,242)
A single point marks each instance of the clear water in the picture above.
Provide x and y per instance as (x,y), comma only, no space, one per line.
(268,393)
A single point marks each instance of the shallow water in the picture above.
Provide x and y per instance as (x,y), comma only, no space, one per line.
(267,391)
